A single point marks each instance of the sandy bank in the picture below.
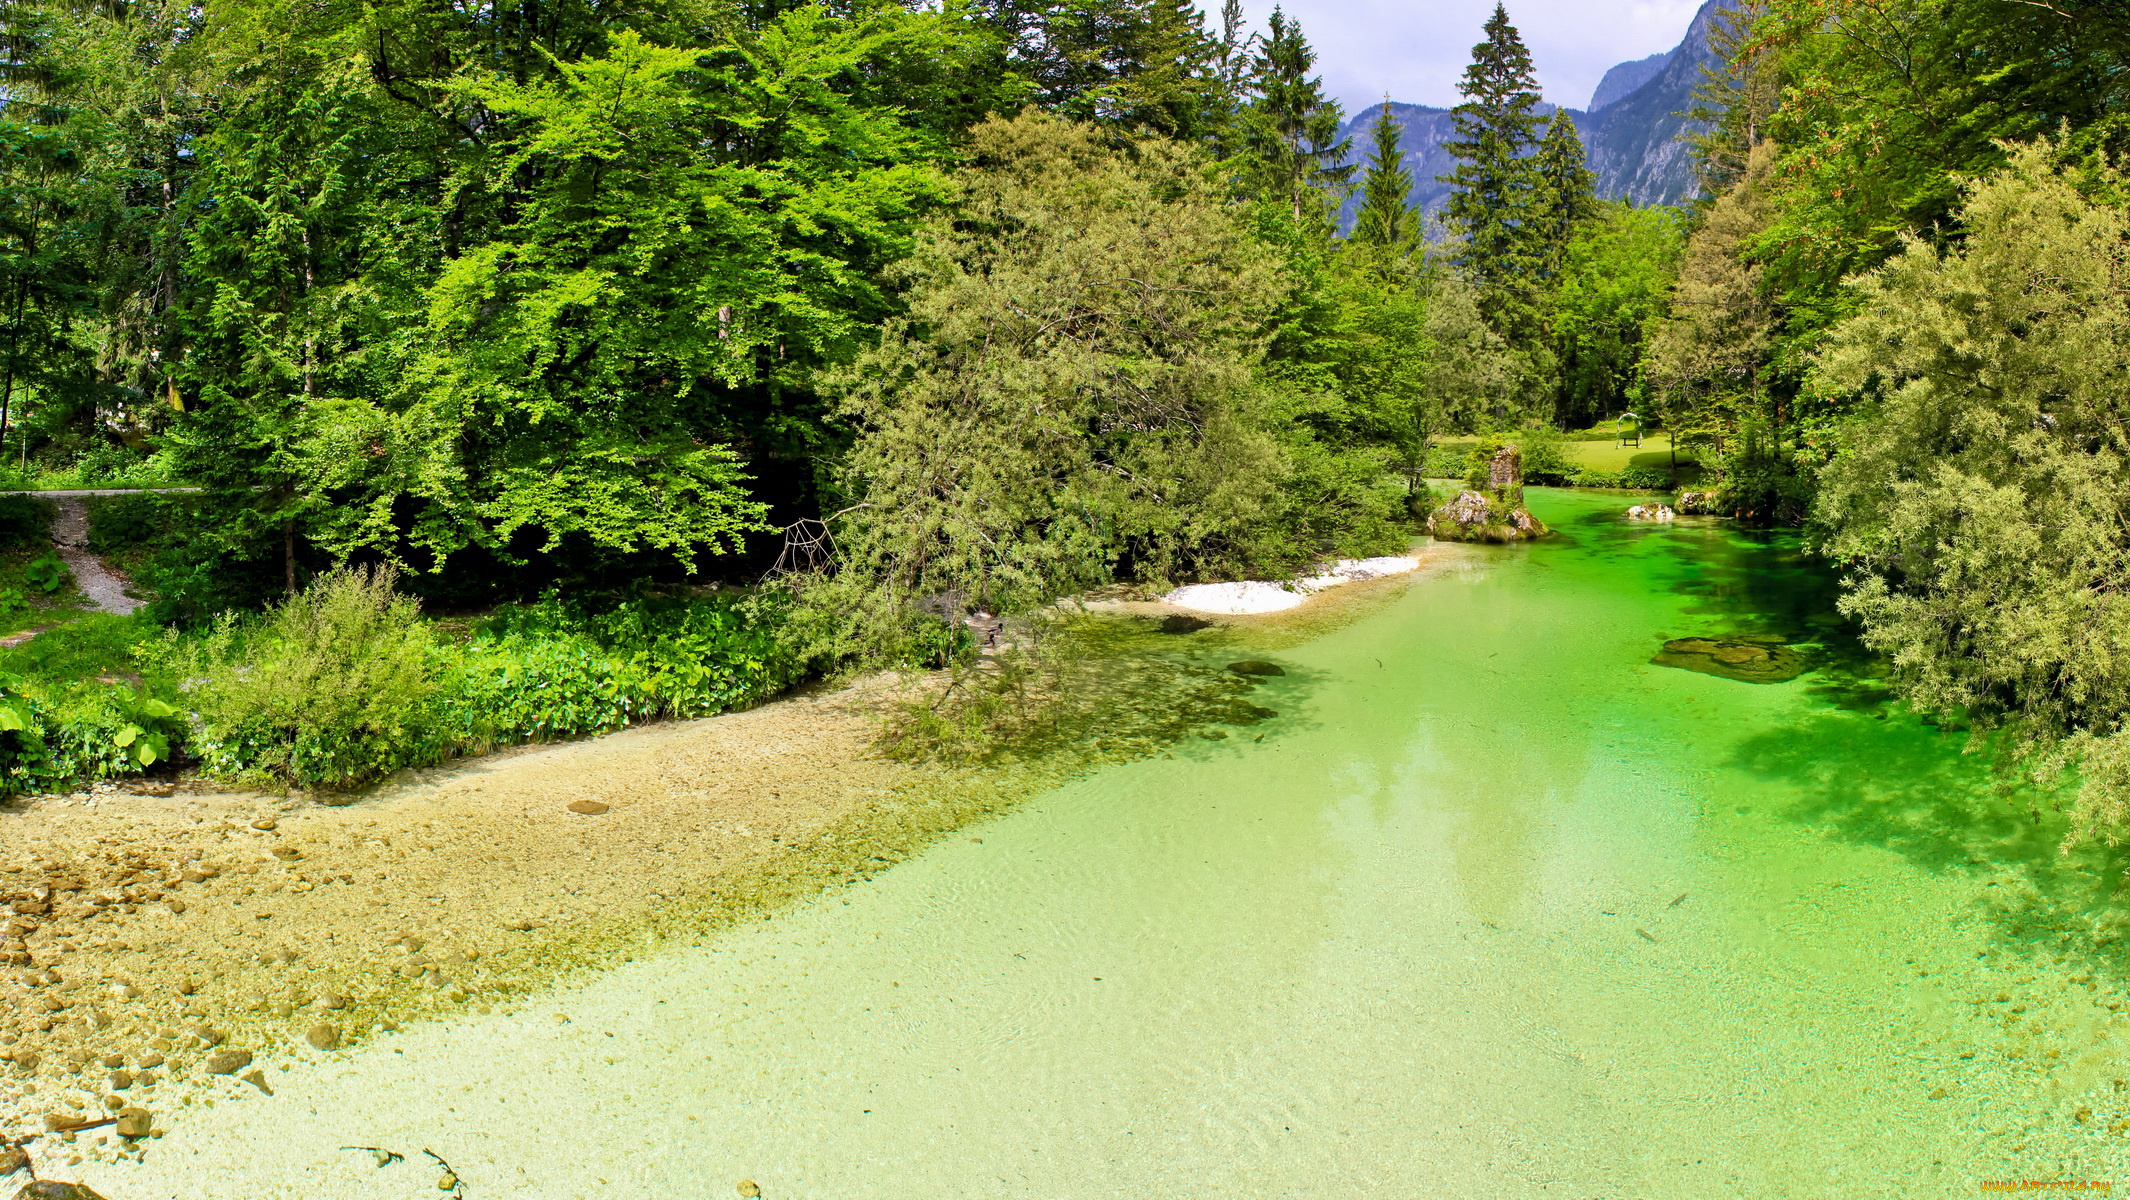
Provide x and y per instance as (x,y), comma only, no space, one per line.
(151,936)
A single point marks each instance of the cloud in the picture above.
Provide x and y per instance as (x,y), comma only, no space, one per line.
(1416,52)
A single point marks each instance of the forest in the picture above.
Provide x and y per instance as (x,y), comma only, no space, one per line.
(573,323)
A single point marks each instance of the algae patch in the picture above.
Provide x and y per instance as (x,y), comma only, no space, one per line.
(1747,661)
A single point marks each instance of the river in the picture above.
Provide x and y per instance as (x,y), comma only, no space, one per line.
(1494,908)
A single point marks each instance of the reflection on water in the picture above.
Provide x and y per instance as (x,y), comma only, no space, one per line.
(1513,912)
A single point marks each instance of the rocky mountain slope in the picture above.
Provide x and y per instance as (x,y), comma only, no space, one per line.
(1633,130)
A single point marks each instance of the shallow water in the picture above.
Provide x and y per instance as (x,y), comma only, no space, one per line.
(1494,908)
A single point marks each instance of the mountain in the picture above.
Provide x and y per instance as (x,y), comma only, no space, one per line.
(1631,132)
(1625,78)
(1636,144)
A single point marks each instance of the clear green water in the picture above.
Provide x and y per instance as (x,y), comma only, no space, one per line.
(1420,940)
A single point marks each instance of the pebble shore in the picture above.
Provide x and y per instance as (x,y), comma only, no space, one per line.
(166,951)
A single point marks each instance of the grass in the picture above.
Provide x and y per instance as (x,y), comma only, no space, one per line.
(24,605)
(1608,455)
(92,646)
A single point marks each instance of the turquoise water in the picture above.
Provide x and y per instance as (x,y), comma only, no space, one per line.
(1495,908)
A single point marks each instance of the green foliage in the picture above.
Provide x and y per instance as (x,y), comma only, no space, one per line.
(1614,287)
(1074,397)
(1133,65)
(1566,198)
(1291,149)
(24,521)
(1980,507)
(48,573)
(553,671)
(119,523)
(328,689)
(1708,360)
(1386,219)
(90,645)
(1496,205)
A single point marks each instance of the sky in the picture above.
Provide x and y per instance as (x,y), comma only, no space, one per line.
(1417,49)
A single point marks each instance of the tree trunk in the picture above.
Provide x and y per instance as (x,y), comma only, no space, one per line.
(288,555)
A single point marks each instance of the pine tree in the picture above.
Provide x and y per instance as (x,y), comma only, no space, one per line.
(1495,184)
(1291,135)
(1134,64)
(1734,100)
(1386,189)
(1567,191)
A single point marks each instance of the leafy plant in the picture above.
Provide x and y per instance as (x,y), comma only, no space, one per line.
(48,573)
(146,738)
(328,689)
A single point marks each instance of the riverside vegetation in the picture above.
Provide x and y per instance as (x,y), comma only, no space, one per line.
(545,371)
(993,306)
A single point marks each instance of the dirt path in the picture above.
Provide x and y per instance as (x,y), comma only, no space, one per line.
(156,941)
(70,537)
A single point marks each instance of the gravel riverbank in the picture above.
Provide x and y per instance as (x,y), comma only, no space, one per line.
(165,951)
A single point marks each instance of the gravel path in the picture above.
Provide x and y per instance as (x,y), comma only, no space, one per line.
(70,537)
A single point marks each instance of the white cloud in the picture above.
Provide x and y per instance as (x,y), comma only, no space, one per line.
(1416,50)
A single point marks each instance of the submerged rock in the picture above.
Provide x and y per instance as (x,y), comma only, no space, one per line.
(589,808)
(1745,661)
(1182,623)
(1252,666)
(52,1189)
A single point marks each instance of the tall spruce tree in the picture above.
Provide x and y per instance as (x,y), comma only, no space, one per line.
(1291,140)
(1385,218)
(1495,186)
(1567,191)
(1141,65)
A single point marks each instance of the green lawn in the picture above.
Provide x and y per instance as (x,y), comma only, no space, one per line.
(1655,451)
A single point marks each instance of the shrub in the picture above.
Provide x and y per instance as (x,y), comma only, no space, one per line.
(328,689)
(123,522)
(551,671)
(24,520)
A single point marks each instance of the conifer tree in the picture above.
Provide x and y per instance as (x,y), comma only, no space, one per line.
(1734,100)
(1567,191)
(1495,183)
(1386,189)
(1143,65)
(1291,135)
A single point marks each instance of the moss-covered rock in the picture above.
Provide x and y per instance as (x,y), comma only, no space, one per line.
(1478,517)
(1745,661)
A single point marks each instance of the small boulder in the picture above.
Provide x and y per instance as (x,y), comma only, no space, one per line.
(228,1062)
(52,1189)
(134,1122)
(324,1037)
(1650,512)
(1744,661)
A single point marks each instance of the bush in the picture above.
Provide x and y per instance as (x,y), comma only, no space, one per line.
(1444,463)
(124,522)
(552,671)
(328,689)
(346,683)
(24,521)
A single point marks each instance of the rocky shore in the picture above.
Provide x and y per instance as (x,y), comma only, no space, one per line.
(165,951)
